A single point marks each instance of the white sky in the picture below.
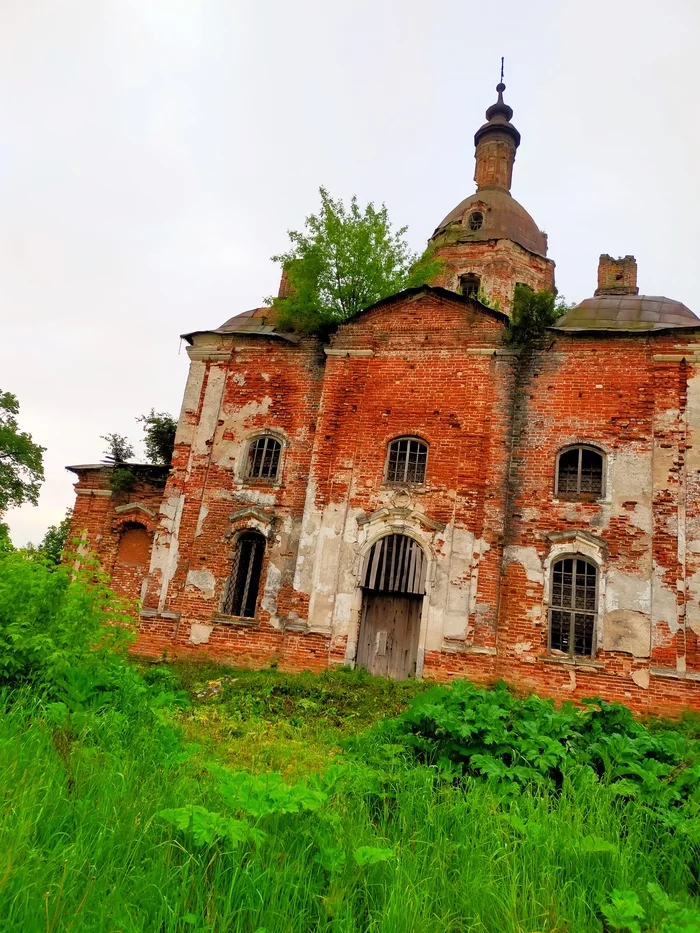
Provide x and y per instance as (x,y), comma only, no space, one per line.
(153,154)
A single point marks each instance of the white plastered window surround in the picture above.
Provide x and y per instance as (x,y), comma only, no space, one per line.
(369,535)
(607,457)
(243,472)
(584,545)
(243,521)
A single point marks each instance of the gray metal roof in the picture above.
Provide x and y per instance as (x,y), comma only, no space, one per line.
(627,313)
(257,321)
(108,466)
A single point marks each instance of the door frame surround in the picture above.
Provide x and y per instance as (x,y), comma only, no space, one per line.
(395,528)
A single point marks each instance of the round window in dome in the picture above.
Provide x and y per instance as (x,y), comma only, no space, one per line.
(476,220)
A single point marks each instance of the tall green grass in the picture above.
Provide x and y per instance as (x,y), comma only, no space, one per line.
(473,811)
(83,847)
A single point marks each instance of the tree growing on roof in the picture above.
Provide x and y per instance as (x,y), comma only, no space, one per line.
(533,313)
(344,260)
(21,463)
(159,429)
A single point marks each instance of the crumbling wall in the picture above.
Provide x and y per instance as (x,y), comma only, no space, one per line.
(117,526)
(500,264)
(239,386)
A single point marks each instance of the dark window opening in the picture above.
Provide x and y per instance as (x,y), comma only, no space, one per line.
(469,285)
(580,473)
(572,610)
(406,461)
(264,458)
(242,586)
(476,220)
(396,564)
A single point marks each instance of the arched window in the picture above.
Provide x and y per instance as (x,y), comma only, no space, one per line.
(406,460)
(469,285)
(579,473)
(263,458)
(572,610)
(241,594)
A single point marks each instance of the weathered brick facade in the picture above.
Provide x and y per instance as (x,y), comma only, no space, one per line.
(489,515)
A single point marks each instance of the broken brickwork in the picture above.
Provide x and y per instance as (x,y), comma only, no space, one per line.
(617,377)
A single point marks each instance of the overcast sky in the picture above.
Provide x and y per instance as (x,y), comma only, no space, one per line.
(153,154)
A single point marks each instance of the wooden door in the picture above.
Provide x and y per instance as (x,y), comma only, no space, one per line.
(389,630)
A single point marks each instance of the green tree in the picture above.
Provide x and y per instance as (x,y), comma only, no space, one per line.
(159,430)
(346,259)
(21,464)
(533,313)
(118,449)
(53,543)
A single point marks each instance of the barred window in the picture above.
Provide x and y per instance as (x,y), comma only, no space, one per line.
(580,473)
(264,458)
(572,610)
(406,461)
(241,593)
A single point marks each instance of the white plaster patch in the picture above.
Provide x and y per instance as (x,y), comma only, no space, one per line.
(202,580)
(273,583)
(627,591)
(520,647)
(343,608)
(200,633)
(203,512)
(629,632)
(663,602)
(641,678)
(239,379)
(529,560)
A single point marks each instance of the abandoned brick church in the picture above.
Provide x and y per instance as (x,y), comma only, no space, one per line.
(415,497)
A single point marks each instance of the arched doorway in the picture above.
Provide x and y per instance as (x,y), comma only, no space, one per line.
(393,584)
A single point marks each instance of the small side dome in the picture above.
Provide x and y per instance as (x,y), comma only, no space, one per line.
(627,313)
(492,214)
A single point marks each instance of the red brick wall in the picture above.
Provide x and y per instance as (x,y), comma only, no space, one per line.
(117,527)
(427,365)
(500,264)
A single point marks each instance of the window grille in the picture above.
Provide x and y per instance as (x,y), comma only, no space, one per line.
(242,586)
(264,458)
(406,461)
(580,473)
(572,610)
(395,564)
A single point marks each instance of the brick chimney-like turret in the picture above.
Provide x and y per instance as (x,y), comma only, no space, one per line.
(617,276)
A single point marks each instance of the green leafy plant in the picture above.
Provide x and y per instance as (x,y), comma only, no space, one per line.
(159,436)
(516,743)
(21,463)
(533,312)
(346,259)
(623,911)
(119,449)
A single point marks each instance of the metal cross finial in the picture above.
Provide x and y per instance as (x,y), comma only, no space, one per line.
(501,69)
